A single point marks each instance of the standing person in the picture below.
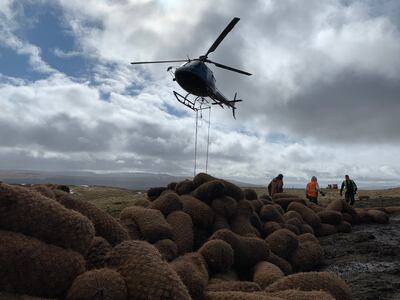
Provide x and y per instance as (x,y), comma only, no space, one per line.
(312,190)
(276,185)
(350,189)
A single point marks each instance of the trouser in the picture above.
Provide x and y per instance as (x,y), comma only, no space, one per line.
(349,197)
(313,199)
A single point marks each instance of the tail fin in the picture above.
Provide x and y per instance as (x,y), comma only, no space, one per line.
(232,102)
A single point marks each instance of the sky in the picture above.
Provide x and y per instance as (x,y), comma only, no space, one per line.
(323,100)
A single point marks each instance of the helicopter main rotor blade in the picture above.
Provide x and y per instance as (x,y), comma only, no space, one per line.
(228,68)
(157,62)
(222,35)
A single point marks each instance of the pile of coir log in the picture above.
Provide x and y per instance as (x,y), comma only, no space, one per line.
(197,239)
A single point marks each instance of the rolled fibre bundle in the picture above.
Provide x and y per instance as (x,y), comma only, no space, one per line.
(167,249)
(239,296)
(270,227)
(167,203)
(315,207)
(146,275)
(282,242)
(363,216)
(184,187)
(302,295)
(270,213)
(291,227)
(27,212)
(308,215)
(378,216)
(104,224)
(348,218)
(281,263)
(344,227)
(250,194)
(241,225)
(306,257)
(233,286)
(218,255)
(307,237)
(247,250)
(279,208)
(132,228)
(305,228)
(293,214)
(336,205)
(202,215)
(182,231)
(30,266)
(295,222)
(98,284)
(232,190)
(257,223)
(331,217)
(284,195)
(266,273)
(97,254)
(244,208)
(154,192)
(256,205)
(44,191)
(152,224)
(192,270)
(314,281)
(225,206)
(209,190)
(285,202)
(11,296)
(220,222)
(325,229)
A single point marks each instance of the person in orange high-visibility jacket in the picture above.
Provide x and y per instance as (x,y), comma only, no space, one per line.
(312,190)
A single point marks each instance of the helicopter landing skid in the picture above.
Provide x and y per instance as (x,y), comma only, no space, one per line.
(202,104)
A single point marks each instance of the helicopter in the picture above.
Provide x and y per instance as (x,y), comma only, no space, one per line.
(197,79)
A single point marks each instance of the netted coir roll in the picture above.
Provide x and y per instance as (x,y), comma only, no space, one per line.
(302,295)
(182,231)
(104,224)
(98,284)
(225,206)
(280,262)
(308,215)
(151,223)
(192,270)
(305,228)
(184,187)
(250,194)
(292,228)
(306,257)
(167,203)
(314,281)
(28,212)
(154,192)
(11,296)
(209,190)
(218,255)
(96,256)
(282,242)
(266,273)
(315,207)
(146,275)
(239,296)
(167,249)
(378,216)
(231,189)
(269,213)
(257,204)
(270,227)
(307,237)
(202,215)
(343,227)
(247,250)
(285,202)
(233,286)
(331,217)
(325,229)
(220,222)
(29,266)
(293,214)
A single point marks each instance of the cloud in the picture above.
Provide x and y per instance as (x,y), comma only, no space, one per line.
(325,88)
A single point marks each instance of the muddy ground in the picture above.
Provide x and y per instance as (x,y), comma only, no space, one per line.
(368,258)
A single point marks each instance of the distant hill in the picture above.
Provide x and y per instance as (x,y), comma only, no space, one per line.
(137,180)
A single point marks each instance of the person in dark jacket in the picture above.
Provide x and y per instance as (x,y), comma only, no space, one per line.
(276,185)
(350,189)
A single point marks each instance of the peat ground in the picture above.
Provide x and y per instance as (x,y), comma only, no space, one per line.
(368,258)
